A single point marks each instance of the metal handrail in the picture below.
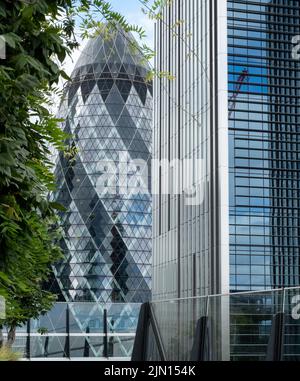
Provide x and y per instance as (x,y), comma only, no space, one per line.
(226,294)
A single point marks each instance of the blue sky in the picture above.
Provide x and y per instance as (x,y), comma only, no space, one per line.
(126,6)
(131,9)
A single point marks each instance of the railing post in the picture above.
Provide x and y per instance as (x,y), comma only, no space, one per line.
(276,341)
(67,352)
(86,350)
(146,317)
(140,342)
(111,341)
(283,300)
(201,350)
(46,353)
(105,343)
(28,340)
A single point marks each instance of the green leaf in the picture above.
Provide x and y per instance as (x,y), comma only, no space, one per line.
(65,75)
(61,55)
(6,159)
(4,277)
(27,11)
(2,11)
(11,39)
(34,63)
(57,206)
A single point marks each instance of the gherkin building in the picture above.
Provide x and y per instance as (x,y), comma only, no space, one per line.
(104,181)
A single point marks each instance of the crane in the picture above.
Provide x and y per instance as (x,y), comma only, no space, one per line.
(242,78)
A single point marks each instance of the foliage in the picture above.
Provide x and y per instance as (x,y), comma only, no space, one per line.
(153,8)
(42,331)
(6,354)
(38,35)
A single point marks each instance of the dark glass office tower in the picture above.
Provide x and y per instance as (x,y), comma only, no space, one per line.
(234,104)
(264,144)
(103,182)
(285,140)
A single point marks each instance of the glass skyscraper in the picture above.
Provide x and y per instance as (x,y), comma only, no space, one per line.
(264,145)
(107,112)
(233,105)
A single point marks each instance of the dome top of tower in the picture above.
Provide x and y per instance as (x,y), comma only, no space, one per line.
(113,47)
(109,61)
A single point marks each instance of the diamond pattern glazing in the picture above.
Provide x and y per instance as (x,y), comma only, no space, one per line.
(107,110)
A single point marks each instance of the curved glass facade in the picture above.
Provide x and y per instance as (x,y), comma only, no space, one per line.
(105,185)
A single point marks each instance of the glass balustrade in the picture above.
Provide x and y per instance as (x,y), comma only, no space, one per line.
(245,326)
(249,326)
(80,330)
